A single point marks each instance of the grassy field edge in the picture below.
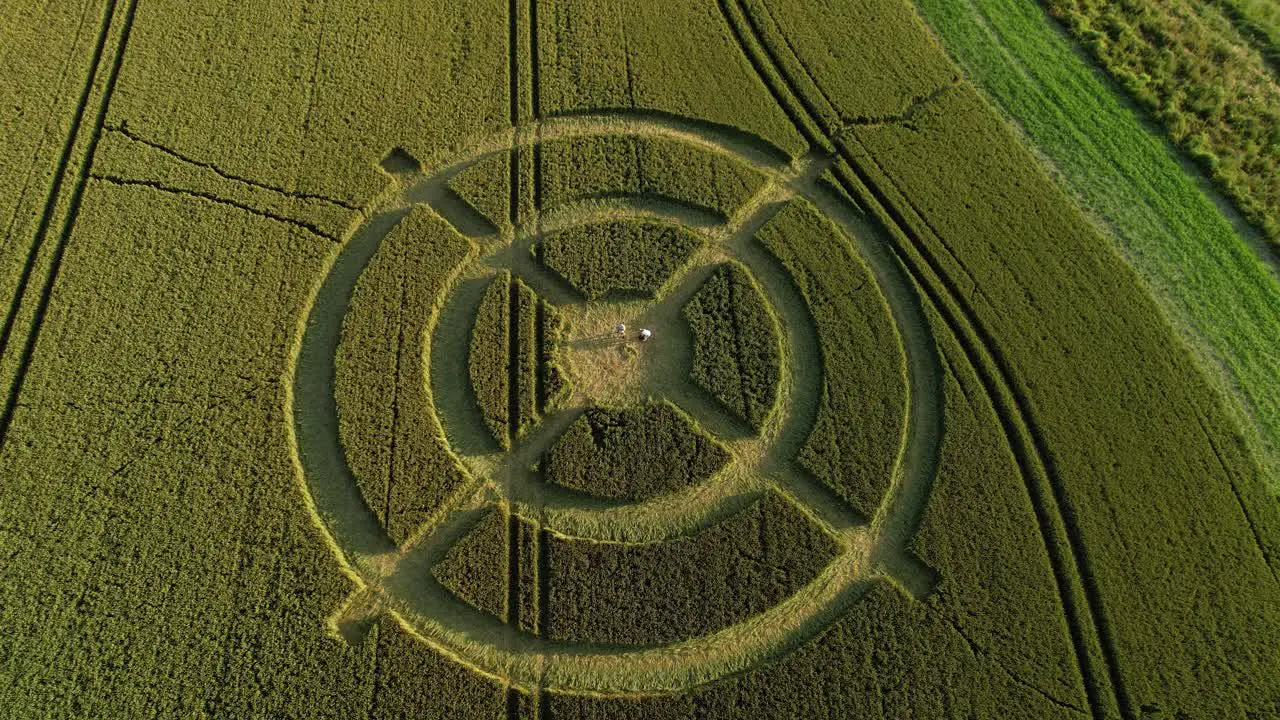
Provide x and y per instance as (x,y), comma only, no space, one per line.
(1210,278)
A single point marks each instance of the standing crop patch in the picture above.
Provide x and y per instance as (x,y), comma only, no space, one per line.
(652,593)
(490,356)
(515,369)
(861,416)
(633,453)
(616,166)
(736,356)
(618,258)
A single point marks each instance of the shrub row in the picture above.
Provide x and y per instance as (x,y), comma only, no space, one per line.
(736,353)
(1191,68)
(633,453)
(1258,20)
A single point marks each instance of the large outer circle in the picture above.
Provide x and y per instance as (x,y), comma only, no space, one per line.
(385,575)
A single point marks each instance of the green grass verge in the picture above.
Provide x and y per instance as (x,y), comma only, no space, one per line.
(633,453)
(1190,67)
(736,350)
(1221,299)
(475,567)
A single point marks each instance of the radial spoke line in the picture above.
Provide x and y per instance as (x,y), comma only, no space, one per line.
(543,280)
(832,511)
(708,411)
(539,440)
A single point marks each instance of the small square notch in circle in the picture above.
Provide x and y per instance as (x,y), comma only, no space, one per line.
(399,162)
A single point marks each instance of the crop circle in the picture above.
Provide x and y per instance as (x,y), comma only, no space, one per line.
(389,578)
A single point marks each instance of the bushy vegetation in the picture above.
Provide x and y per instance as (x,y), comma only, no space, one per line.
(855,437)
(618,258)
(393,441)
(644,594)
(1217,98)
(1258,19)
(736,352)
(1220,297)
(633,453)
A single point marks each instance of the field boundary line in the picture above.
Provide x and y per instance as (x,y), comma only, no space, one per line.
(75,201)
(1267,560)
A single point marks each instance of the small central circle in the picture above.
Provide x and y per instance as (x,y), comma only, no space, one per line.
(612,368)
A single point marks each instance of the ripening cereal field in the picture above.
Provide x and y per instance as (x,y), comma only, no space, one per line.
(580,359)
